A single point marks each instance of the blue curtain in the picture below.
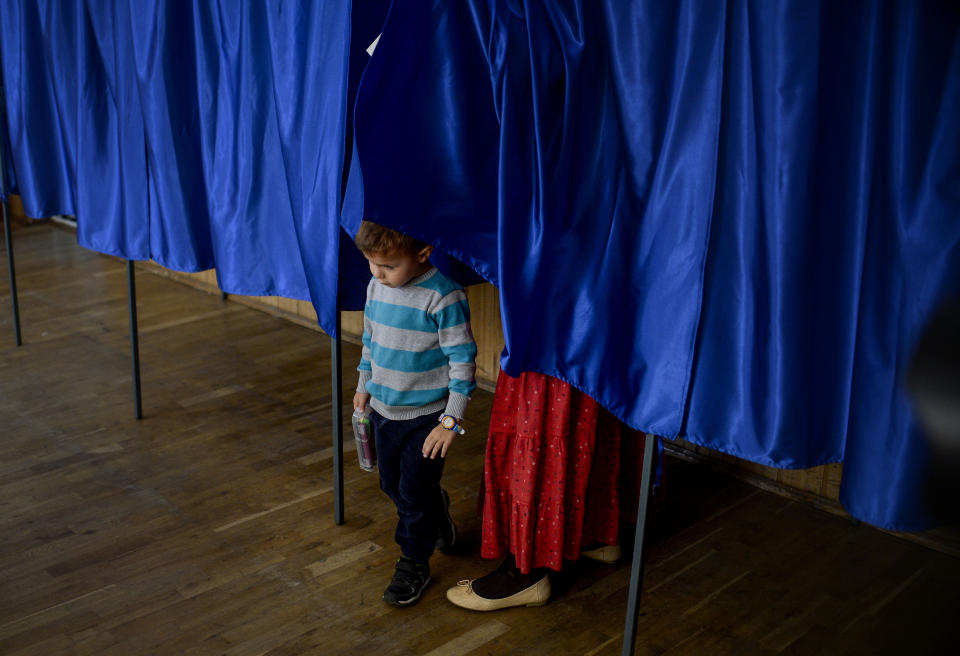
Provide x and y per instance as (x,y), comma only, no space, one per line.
(39,81)
(506,145)
(198,134)
(8,179)
(836,232)
(728,221)
(111,181)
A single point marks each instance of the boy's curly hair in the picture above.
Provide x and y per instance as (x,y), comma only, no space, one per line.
(375,238)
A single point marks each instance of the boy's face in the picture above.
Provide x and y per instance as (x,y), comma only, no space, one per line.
(397,268)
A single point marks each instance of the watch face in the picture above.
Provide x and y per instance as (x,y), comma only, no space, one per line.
(448,422)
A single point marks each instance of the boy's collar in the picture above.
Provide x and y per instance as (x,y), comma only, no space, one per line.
(423,276)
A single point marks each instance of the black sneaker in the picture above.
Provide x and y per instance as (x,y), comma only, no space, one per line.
(447,531)
(408,582)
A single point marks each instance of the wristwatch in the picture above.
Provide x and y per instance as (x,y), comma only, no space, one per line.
(451,423)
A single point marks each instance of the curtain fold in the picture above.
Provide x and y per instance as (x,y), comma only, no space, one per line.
(911,258)
(425,137)
(111,164)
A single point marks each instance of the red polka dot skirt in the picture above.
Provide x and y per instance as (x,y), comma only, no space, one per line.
(552,473)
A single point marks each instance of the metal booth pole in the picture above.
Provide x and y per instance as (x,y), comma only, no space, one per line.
(9,237)
(134,339)
(11,268)
(636,569)
(336,367)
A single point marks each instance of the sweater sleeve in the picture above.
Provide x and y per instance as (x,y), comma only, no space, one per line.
(365,369)
(457,343)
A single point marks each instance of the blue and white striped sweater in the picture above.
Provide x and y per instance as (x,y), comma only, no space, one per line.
(418,349)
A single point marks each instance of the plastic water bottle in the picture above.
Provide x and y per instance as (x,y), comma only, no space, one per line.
(363,434)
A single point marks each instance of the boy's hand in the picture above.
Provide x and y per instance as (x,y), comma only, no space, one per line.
(437,442)
(360,400)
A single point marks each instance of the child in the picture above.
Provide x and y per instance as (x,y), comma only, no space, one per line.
(417,373)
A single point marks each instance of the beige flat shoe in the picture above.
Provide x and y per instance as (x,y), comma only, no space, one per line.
(463,595)
(608,553)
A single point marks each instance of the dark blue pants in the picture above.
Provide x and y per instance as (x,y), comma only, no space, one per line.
(411,481)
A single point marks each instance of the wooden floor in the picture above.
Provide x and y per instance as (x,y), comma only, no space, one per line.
(207,527)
